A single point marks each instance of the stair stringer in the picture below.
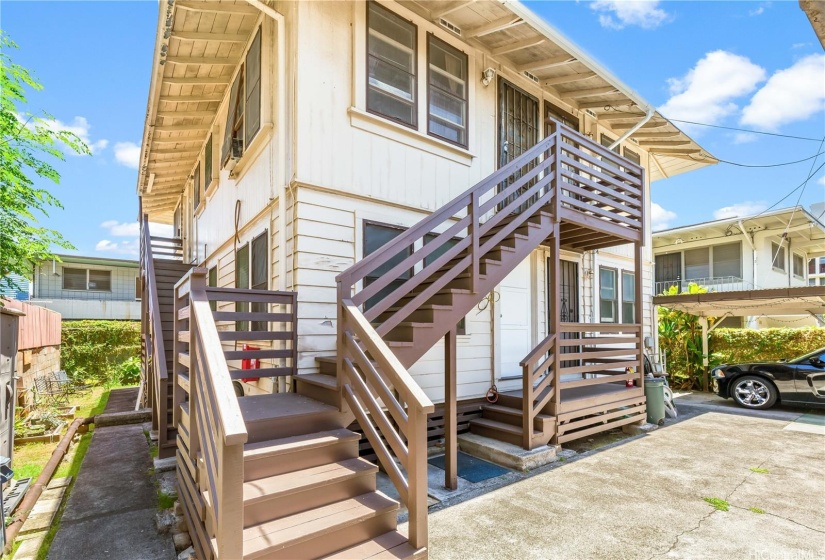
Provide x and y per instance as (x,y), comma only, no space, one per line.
(444,319)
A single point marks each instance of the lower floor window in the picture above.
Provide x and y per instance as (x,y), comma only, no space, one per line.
(607,295)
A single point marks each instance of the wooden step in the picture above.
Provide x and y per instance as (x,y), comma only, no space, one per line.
(328,365)
(442,297)
(321,531)
(405,331)
(277,496)
(498,430)
(512,416)
(425,313)
(318,386)
(392,545)
(279,456)
(280,415)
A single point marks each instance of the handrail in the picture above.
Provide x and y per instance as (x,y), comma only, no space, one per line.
(377,392)
(154,305)
(545,374)
(216,431)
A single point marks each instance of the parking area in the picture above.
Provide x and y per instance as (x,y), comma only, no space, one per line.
(719,482)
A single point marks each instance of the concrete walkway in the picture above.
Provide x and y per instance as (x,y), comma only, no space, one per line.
(111,510)
(645,499)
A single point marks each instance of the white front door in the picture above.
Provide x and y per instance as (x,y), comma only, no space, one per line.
(514,320)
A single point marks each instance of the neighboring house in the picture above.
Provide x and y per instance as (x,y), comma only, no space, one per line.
(81,287)
(768,250)
(18,289)
(331,149)
(816,272)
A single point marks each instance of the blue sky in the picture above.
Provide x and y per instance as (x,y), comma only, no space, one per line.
(754,65)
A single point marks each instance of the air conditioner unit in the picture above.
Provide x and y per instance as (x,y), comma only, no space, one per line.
(235,153)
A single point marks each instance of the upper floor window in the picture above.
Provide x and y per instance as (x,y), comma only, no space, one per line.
(391,61)
(447,91)
(632,156)
(85,279)
(778,257)
(798,265)
(207,164)
(196,186)
(243,120)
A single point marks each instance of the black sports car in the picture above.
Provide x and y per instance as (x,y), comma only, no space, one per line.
(800,381)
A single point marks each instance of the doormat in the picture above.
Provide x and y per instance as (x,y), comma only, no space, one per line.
(471,468)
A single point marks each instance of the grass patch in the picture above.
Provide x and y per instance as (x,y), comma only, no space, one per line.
(760,511)
(165,501)
(758,470)
(718,503)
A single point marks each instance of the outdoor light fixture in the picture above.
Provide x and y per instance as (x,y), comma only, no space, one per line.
(487,76)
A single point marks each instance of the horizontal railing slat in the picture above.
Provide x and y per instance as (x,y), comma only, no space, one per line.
(256,354)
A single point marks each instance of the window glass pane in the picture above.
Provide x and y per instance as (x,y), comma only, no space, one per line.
(207,163)
(632,156)
(798,265)
(727,260)
(391,65)
(196,186)
(259,262)
(74,278)
(226,149)
(606,141)
(697,264)
(447,91)
(100,280)
(242,281)
(628,298)
(778,256)
(253,90)
(607,295)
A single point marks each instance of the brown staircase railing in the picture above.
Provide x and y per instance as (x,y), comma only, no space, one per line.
(155,374)
(539,384)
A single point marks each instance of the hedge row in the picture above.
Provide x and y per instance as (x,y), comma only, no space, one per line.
(94,351)
(747,345)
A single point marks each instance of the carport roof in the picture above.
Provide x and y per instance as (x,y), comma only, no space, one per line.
(779,301)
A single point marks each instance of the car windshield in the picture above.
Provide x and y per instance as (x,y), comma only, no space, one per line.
(808,356)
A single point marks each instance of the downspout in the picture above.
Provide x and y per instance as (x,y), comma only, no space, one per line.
(648,115)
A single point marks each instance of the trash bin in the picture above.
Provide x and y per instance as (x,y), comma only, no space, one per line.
(655,395)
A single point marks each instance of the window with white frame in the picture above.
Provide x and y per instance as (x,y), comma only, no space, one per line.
(87,279)
(608,295)
(243,119)
(778,257)
(196,186)
(798,265)
(447,91)
(391,66)
(628,298)
(697,263)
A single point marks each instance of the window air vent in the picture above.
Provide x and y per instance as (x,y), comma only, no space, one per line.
(634,141)
(531,76)
(591,113)
(447,25)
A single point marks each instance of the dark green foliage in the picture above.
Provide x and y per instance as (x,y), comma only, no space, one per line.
(746,345)
(93,351)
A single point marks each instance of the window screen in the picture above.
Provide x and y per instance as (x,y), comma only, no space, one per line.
(607,295)
(632,156)
(628,298)
(253,90)
(727,260)
(242,282)
(100,280)
(391,59)
(258,277)
(196,186)
(375,237)
(447,89)
(207,163)
(798,266)
(74,278)
(697,264)
(606,141)
(229,130)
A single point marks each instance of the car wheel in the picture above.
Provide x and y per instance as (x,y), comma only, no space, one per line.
(754,392)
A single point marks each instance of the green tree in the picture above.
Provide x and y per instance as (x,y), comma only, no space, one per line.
(27,140)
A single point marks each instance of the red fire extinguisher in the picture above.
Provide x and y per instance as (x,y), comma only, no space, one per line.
(250,363)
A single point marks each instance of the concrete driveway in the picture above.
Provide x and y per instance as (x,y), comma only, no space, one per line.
(645,498)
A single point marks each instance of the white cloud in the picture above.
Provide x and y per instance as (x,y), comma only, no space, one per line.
(129,248)
(739,210)
(707,92)
(744,138)
(161,230)
(790,95)
(80,127)
(757,12)
(659,217)
(800,45)
(618,14)
(128,154)
(822,181)
(118,229)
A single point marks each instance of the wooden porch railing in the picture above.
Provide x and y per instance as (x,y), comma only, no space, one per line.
(397,409)
(207,413)
(156,376)
(600,353)
(539,384)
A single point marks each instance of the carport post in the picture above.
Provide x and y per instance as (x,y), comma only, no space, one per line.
(704,322)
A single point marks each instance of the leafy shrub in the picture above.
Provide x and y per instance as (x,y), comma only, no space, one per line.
(746,345)
(91,351)
(128,371)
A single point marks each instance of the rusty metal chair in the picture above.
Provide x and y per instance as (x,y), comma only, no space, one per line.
(50,392)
